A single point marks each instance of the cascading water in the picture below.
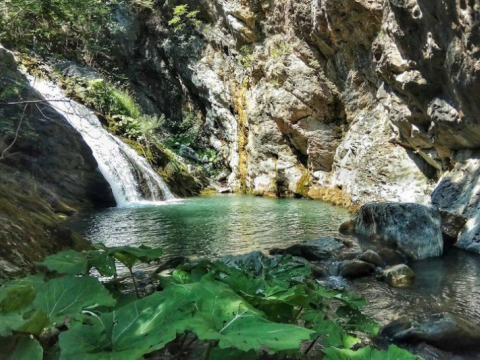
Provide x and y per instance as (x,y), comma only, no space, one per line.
(131,178)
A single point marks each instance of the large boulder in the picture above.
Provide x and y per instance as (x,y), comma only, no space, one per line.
(415,229)
(446,331)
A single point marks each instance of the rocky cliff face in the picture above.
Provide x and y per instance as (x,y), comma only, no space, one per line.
(351,101)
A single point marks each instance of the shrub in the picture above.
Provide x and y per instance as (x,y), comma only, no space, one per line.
(183,18)
(281,49)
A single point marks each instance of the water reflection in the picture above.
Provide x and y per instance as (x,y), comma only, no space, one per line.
(451,283)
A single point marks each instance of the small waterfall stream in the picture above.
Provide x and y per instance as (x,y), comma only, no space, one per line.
(131,178)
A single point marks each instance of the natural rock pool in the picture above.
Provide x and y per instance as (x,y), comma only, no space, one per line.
(214,226)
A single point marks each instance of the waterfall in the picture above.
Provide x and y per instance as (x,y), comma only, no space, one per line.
(132,179)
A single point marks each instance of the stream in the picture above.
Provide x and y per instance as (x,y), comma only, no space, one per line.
(214,226)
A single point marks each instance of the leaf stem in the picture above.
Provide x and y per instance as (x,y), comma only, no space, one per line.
(190,343)
(310,347)
(209,349)
(134,282)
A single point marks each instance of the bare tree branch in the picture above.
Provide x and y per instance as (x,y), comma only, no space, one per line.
(4,152)
(32,102)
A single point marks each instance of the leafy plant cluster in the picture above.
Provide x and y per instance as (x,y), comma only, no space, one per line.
(118,106)
(186,132)
(238,309)
(246,57)
(183,18)
(281,49)
(55,25)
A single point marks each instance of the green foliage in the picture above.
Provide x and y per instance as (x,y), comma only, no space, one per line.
(186,132)
(21,347)
(54,25)
(241,307)
(109,100)
(281,49)
(183,18)
(117,104)
(67,262)
(129,255)
(246,56)
(134,330)
(68,296)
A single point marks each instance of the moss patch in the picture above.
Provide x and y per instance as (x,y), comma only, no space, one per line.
(30,229)
(303,185)
(333,196)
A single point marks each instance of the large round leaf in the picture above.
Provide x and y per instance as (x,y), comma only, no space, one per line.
(68,296)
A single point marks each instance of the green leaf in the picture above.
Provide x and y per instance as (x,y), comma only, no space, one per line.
(225,317)
(16,310)
(67,262)
(369,353)
(68,296)
(129,255)
(21,348)
(103,262)
(331,333)
(356,321)
(352,301)
(134,330)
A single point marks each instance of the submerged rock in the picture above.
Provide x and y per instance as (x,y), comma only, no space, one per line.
(398,276)
(348,227)
(416,229)
(446,331)
(356,269)
(314,250)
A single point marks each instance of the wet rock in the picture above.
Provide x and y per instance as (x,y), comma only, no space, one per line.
(314,250)
(444,330)
(452,225)
(372,257)
(398,276)
(348,227)
(318,272)
(458,194)
(348,256)
(414,228)
(225,190)
(428,352)
(356,269)
(392,257)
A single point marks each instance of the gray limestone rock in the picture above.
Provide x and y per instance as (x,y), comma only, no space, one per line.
(415,229)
